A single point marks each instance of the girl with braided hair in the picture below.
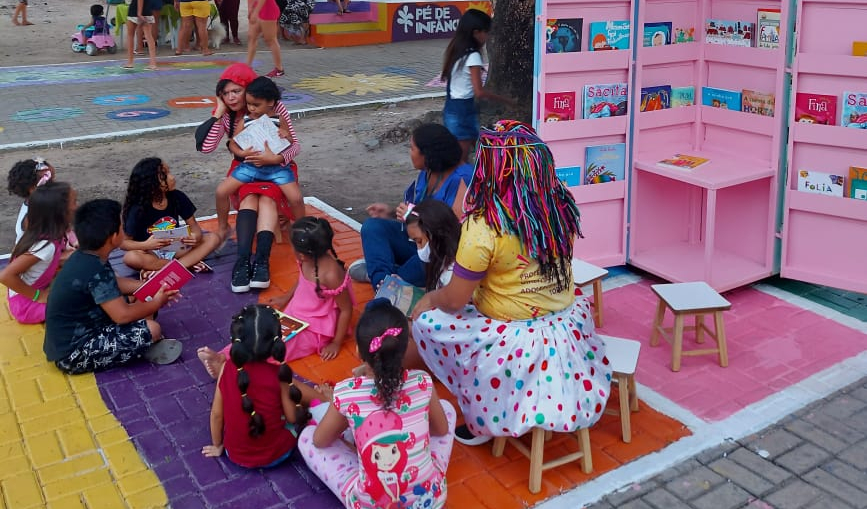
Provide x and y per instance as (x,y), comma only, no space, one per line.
(524,353)
(255,412)
(402,430)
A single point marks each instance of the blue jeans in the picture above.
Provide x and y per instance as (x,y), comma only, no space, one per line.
(277,174)
(389,250)
(461,118)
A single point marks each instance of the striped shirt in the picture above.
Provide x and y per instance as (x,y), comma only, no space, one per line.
(221,127)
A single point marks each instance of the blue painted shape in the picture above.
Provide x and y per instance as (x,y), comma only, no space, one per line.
(121,100)
(400,71)
(135,114)
(47,114)
(288,97)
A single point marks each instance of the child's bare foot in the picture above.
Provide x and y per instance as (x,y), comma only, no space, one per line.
(213,361)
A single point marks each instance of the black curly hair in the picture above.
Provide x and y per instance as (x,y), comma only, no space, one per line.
(263,87)
(387,360)
(313,236)
(440,148)
(440,225)
(146,184)
(48,216)
(22,178)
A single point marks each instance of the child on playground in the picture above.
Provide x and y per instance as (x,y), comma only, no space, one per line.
(89,324)
(97,22)
(152,203)
(262,97)
(23,178)
(401,429)
(36,257)
(255,410)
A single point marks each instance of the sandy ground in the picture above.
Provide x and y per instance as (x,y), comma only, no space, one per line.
(335,164)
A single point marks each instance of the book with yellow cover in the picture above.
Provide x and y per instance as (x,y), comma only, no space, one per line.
(683,162)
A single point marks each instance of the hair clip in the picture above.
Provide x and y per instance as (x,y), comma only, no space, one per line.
(244,395)
(236,340)
(409,207)
(240,369)
(253,413)
(376,343)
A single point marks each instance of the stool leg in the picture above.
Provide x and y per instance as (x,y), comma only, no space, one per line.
(499,446)
(657,323)
(597,302)
(699,328)
(677,346)
(587,457)
(537,449)
(721,339)
(633,394)
(623,385)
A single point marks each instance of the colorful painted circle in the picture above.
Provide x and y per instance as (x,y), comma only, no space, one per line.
(120,100)
(293,98)
(130,114)
(197,101)
(47,114)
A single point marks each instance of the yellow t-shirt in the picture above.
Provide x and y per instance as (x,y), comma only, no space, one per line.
(511,287)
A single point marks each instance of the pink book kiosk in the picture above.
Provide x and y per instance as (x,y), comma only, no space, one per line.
(719,221)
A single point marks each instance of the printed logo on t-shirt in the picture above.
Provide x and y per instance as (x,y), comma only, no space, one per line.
(164,223)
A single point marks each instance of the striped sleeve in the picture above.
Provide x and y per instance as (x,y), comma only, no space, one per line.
(215,134)
(290,152)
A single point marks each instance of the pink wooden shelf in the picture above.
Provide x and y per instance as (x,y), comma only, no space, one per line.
(831,135)
(585,2)
(859,2)
(584,61)
(583,128)
(832,65)
(667,117)
(723,170)
(827,205)
(816,273)
(599,192)
(669,54)
(740,56)
(738,120)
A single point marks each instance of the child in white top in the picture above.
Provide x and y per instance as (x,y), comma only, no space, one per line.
(23,178)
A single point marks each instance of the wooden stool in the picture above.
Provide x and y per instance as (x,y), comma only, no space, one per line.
(685,299)
(585,273)
(537,450)
(623,355)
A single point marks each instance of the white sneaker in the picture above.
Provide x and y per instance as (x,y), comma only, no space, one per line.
(465,436)
(358,271)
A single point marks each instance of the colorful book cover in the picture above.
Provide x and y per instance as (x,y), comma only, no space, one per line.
(854,110)
(768,29)
(570,176)
(815,109)
(757,103)
(721,98)
(682,96)
(559,106)
(173,275)
(858,183)
(683,34)
(657,33)
(731,33)
(563,35)
(290,326)
(605,35)
(859,48)
(655,98)
(605,163)
(683,162)
(402,295)
(606,100)
(810,181)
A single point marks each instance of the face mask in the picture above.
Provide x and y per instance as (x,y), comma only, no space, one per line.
(424,253)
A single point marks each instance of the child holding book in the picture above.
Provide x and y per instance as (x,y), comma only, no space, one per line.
(89,324)
(152,203)
(402,430)
(36,257)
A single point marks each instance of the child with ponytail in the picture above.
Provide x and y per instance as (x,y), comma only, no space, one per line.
(402,430)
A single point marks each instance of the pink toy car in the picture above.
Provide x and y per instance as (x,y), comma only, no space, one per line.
(97,36)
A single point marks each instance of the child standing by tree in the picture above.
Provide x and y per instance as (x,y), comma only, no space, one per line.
(255,408)
(402,430)
(37,255)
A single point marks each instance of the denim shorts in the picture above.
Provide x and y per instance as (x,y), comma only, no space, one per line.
(276,174)
(461,118)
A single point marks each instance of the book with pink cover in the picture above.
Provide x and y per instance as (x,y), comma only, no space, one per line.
(559,106)
(815,109)
(173,275)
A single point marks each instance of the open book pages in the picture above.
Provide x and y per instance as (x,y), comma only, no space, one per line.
(257,132)
(175,234)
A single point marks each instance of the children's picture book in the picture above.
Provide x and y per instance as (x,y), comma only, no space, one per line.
(175,234)
(683,34)
(605,100)
(606,35)
(859,48)
(259,131)
(559,106)
(570,176)
(854,110)
(402,295)
(682,96)
(683,162)
(290,326)
(757,103)
(657,33)
(605,163)
(173,275)
(858,183)
(563,35)
(655,98)
(815,109)
(721,98)
(810,181)
(731,33)
(768,29)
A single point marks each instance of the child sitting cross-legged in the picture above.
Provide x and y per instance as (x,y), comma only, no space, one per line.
(89,324)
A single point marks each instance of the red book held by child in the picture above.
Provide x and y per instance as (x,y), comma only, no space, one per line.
(173,275)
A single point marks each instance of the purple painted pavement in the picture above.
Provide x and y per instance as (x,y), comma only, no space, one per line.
(165,410)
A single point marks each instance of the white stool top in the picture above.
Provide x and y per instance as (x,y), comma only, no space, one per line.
(584,273)
(622,353)
(696,296)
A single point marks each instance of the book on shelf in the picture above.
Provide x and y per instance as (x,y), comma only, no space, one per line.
(173,275)
(559,106)
(683,162)
(859,48)
(721,98)
(261,131)
(605,163)
(815,109)
(854,110)
(605,100)
(858,183)
(175,234)
(810,181)
(757,103)
(683,34)
(682,96)
(657,33)
(563,35)
(570,176)
(401,294)
(730,33)
(608,35)
(290,326)
(768,29)
(655,98)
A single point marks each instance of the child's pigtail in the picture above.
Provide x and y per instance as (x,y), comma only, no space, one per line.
(240,355)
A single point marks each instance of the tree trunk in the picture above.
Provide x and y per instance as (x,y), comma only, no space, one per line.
(510,52)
